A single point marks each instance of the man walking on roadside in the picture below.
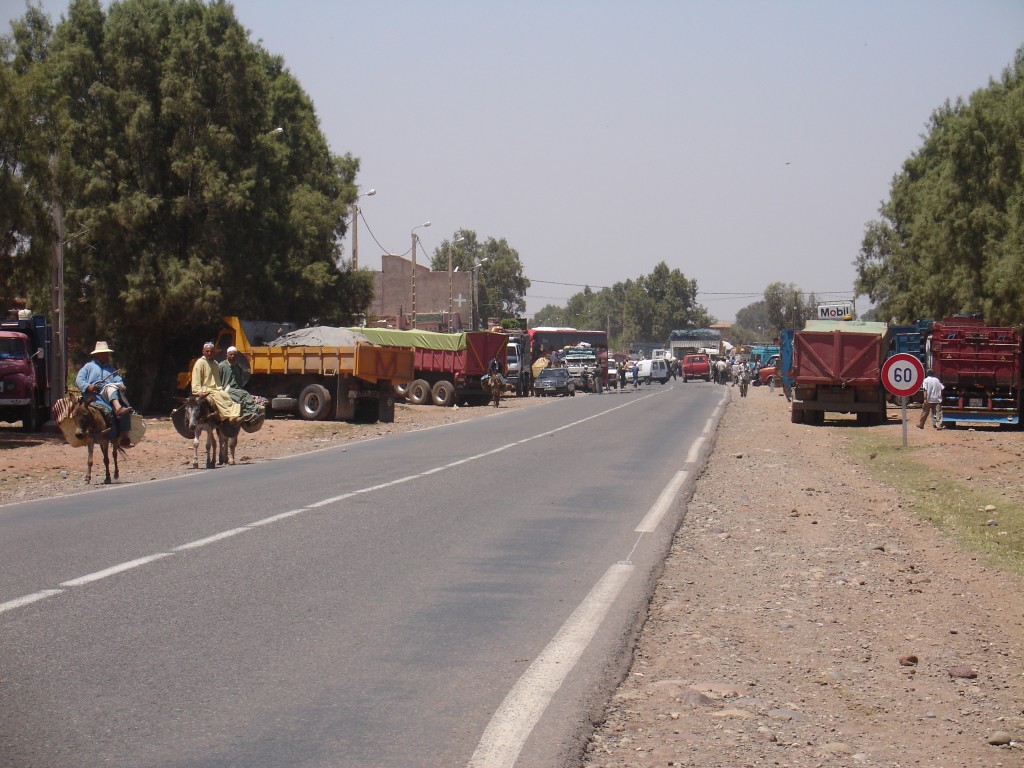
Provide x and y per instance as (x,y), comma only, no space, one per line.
(932,400)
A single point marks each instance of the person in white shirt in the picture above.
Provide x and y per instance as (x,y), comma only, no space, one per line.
(932,400)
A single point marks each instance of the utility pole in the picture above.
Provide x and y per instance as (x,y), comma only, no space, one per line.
(59,363)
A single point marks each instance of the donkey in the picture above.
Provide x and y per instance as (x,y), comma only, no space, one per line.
(91,426)
(201,416)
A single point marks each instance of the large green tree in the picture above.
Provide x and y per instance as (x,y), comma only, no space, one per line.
(950,237)
(193,166)
(501,284)
(26,227)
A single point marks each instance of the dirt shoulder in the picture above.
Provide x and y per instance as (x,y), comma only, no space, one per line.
(807,618)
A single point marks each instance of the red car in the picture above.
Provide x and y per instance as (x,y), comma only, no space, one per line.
(696,367)
(769,370)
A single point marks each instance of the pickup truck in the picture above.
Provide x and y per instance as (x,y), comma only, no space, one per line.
(696,367)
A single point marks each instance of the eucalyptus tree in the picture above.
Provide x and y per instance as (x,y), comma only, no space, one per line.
(950,238)
(193,164)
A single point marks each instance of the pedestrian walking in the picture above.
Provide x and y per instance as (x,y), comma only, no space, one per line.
(932,404)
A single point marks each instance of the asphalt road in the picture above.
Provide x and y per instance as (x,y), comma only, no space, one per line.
(458,596)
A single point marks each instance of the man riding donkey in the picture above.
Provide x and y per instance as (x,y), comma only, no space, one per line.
(101,385)
(223,389)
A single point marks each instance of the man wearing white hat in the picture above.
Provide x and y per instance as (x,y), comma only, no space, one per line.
(102,380)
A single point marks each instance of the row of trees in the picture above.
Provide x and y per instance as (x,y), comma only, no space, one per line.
(950,237)
(645,309)
(191,171)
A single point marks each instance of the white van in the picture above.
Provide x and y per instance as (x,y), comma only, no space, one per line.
(653,370)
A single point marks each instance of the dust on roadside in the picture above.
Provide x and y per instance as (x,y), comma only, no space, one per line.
(806,618)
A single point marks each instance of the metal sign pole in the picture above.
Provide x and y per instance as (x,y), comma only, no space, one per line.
(904,401)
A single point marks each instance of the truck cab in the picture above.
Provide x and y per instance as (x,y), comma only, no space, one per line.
(24,383)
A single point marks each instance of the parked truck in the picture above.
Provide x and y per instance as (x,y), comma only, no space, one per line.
(518,361)
(980,369)
(305,372)
(837,368)
(448,366)
(25,355)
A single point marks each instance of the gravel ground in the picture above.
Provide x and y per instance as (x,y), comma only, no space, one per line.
(806,618)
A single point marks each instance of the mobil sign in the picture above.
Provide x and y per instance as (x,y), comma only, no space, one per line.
(836,311)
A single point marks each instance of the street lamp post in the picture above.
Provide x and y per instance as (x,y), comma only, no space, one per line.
(355,227)
(451,301)
(476,294)
(414,238)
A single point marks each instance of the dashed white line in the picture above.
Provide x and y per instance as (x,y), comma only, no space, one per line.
(10,605)
(211,539)
(114,569)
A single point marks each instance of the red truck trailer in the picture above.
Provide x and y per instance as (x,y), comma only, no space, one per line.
(980,369)
(448,366)
(837,368)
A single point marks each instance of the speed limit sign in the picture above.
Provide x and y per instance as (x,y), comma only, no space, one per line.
(902,374)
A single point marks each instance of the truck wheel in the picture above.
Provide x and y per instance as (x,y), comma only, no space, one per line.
(401,390)
(30,418)
(797,416)
(443,393)
(314,403)
(419,392)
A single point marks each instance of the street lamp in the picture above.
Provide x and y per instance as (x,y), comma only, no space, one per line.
(355,227)
(476,294)
(451,302)
(414,238)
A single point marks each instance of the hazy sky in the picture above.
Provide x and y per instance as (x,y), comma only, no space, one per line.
(740,142)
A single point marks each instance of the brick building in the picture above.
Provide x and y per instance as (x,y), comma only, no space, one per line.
(392,300)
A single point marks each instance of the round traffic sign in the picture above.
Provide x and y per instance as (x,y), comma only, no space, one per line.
(902,374)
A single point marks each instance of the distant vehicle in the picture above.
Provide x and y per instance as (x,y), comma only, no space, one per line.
(653,370)
(554,381)
(613,374)
(696,367)
(769,370)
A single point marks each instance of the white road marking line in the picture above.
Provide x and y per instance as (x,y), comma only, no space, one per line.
(691,457)
(513,721)
(18,602)
(275,518)
(114,570)
(211,539)
(654,516)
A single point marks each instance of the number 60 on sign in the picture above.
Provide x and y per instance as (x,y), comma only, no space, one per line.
(902,374)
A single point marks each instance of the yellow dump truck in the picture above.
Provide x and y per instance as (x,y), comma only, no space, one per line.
(320,373)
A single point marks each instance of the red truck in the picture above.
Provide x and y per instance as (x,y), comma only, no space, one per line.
(696,367)
(448,366)
(837,368)
(24,382)
(980,369)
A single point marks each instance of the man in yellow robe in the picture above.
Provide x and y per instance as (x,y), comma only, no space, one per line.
(206,381)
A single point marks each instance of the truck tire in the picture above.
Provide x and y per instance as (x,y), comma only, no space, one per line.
(797,416)
(419,392)
(443,393)
(30,418)
(314,403)
(401,390)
